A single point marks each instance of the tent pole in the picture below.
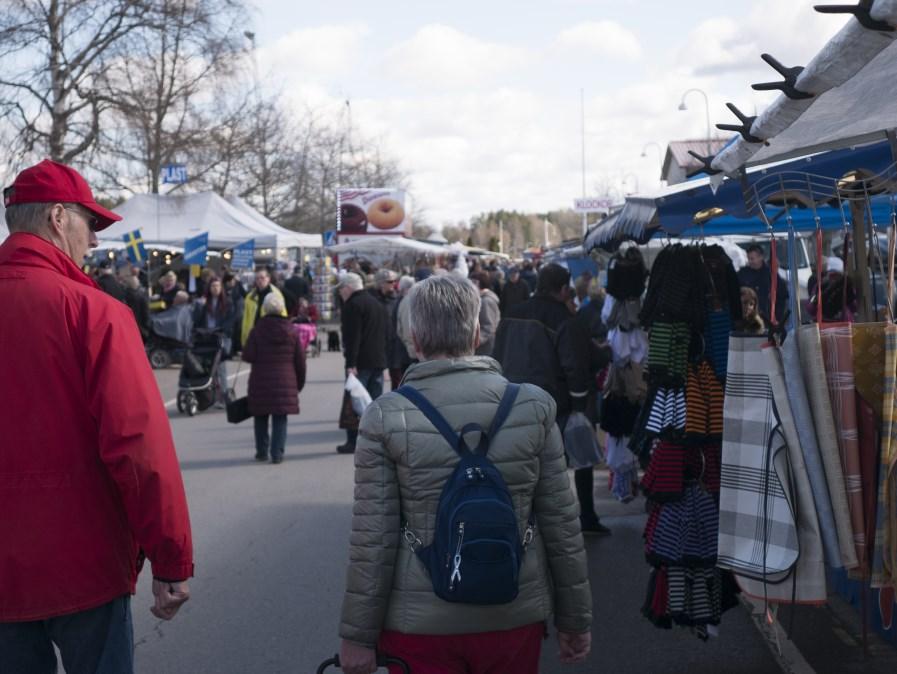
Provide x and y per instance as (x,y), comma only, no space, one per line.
(861,260)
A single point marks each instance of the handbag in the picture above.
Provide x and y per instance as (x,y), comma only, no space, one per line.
(237,409)
(580,442)
(348,419)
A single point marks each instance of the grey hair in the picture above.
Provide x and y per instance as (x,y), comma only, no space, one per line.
(273,305)
(405,283)
(31,218)
(444,316)
(352,280)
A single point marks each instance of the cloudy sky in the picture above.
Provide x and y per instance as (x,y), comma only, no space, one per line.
(480,100)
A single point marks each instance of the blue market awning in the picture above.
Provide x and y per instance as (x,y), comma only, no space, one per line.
(733,208)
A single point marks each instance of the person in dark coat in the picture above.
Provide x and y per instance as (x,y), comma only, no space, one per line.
(364,323)
(136,298)
(757,277)
(277,376)
(108,283)
(215,312)
(516,291)
(540,342)
(297,287)
(385,282)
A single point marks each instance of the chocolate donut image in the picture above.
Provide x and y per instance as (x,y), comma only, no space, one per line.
(352,219)
(386,214)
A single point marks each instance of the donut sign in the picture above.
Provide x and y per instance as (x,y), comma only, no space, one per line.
(372,211)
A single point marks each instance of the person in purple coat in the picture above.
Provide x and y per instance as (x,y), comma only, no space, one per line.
(277,376)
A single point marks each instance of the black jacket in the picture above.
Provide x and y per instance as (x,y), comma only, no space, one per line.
(393,355)
(111,286)
(137,300)
(513,294)
(364,323)
(540,342)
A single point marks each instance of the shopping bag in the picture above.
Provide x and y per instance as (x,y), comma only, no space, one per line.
(237,410)
(580,442)
(348,420)
(360,396)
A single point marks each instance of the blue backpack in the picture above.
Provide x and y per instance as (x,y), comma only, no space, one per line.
(477,551)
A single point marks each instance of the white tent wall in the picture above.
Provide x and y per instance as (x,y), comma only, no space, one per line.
(286,238)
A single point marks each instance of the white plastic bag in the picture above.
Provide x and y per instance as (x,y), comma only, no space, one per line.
(580,442)
(359,394)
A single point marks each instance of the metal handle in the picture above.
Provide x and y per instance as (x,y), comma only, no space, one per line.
(382,661)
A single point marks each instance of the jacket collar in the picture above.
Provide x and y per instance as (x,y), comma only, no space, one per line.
(438,368)
(29,250)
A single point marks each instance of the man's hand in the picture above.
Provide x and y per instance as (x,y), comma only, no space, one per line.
(355,659)
(574,647)
(169,597)
(352,370)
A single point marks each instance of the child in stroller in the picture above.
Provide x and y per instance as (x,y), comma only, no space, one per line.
(305,326)
(199,384)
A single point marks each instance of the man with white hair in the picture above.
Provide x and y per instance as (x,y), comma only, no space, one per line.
(89,480)
(364,324)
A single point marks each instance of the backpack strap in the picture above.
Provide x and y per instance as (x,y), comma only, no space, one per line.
(456,441)
(426,407)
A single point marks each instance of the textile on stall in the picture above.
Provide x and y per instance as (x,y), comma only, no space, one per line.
(807,583)
(704,402)
(884,574)
(757,527)
(813,366)
(837,349)
(869,366)
(806,436)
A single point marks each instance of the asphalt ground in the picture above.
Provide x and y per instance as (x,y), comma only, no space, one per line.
(271,547)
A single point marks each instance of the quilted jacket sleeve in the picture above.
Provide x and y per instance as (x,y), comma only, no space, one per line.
(557,522)
(375,534)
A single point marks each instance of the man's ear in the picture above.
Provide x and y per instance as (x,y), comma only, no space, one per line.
(476,338)
(56,216)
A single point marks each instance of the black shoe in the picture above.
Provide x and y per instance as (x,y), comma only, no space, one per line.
(277,459)
(261,457)
(595,529)
(345,449)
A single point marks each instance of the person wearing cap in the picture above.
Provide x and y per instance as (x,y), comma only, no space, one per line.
(364,326)
(90,484)
(384,290)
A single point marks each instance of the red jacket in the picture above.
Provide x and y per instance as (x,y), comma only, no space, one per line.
(89,479)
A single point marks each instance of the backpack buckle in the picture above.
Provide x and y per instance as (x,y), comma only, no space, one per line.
(410,538)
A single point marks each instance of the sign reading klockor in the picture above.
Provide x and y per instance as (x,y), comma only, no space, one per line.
(592,205)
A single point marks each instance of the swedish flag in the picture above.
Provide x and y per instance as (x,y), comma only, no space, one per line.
(134,246)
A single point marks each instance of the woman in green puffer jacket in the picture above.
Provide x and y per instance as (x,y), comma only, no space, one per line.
(401,466)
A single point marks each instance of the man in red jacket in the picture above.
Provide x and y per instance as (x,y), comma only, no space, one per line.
(89,479)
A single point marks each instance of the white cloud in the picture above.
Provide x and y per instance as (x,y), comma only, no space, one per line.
(315,53)
(440,56)
(607,38)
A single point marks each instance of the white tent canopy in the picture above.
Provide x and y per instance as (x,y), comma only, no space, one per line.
(169,220)
(851,79)
(379,248)
(286,238)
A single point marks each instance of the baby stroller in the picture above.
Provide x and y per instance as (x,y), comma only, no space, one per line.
(169,338)
(198,385)
(308,337)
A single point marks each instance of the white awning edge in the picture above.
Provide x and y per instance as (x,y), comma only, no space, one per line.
(842,58)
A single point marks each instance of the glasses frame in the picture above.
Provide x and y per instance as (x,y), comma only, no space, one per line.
(91,220)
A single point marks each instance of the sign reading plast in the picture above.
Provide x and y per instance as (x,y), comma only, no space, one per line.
(196,249)
(243,255)
(174,174)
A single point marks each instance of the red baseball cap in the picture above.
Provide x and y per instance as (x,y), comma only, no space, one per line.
(52,182)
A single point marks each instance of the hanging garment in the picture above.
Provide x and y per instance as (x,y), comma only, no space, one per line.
(757,527)
(686,531)
(806,435)
(704,403)
(807,582)
(656,607)
(695,596)
(883,573)
(837,350)
(716,340)
(813,367)
(668,353)
(664,479)
(667,411)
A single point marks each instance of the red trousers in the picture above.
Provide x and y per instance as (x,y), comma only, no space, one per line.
(509,652)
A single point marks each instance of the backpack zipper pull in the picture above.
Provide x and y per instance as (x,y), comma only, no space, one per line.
(456,571)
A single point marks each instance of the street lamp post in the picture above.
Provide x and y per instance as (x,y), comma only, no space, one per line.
(682,106)
(659,154)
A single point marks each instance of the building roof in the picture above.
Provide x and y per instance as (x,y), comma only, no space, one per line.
(677,151)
